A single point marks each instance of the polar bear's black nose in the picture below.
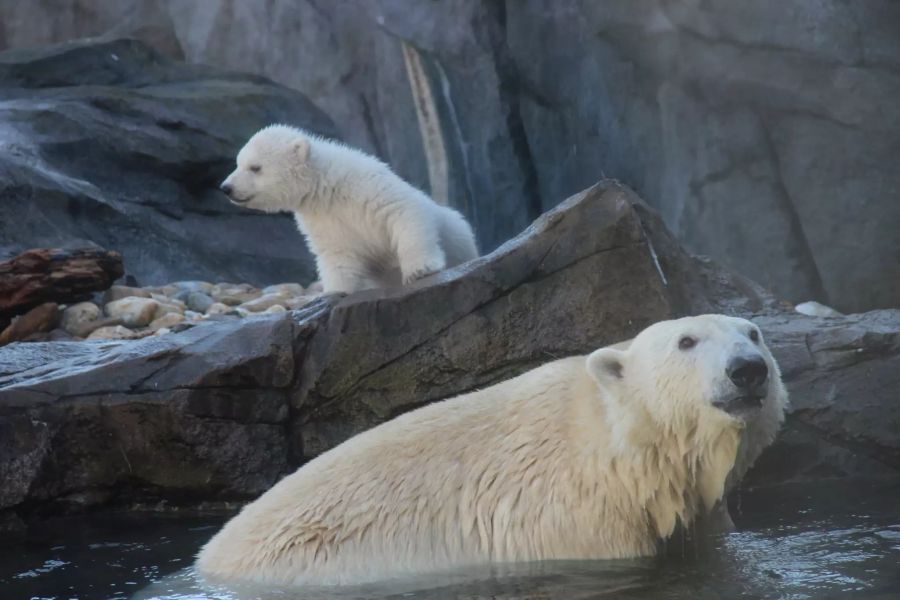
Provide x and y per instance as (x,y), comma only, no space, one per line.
(225,187)
(747,372)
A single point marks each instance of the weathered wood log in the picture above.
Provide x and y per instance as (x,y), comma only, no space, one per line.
(55,275)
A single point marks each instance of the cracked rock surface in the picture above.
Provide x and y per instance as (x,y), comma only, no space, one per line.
(220,411)
(110,143)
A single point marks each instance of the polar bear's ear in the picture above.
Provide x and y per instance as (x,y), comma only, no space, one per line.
(301,148)
(606,365)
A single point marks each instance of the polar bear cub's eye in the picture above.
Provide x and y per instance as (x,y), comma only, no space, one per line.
(255,168)
(687,342)
(754,336)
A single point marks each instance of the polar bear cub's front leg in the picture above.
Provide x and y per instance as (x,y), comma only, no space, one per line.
(419,251)
(344,273)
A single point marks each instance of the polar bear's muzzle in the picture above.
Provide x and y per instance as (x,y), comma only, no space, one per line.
(228,189)
(749,374)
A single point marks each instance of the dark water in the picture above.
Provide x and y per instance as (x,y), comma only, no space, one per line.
(827,540)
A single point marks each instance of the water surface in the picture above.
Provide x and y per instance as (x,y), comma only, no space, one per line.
(823,540)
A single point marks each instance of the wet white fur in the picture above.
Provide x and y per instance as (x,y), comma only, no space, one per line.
(366,226)
(584,457)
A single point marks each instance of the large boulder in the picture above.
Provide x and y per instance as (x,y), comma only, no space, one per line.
(108,142)
(219,411)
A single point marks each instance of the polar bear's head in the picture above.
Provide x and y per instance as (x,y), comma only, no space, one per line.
(708,382)
(272,171)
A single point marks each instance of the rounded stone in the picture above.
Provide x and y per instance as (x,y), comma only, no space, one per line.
(292,289)
(166,321)
(115,332)
(133,311)
(76,316)
(199,302)
(263,302)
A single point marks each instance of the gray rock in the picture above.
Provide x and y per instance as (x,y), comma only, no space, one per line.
(843,375)
(149,418)
(198,301)
(152,191)
(157,418)
(220,410)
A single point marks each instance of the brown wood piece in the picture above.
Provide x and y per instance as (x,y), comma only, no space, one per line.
(55,275)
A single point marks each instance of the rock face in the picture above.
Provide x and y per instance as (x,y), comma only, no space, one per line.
(843,375)
(222,409)
(111,143)
(761,134)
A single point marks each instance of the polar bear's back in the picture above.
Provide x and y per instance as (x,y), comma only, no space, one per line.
(460,481)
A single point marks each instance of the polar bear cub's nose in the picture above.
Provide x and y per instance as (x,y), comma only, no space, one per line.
(226,187)
(747,372)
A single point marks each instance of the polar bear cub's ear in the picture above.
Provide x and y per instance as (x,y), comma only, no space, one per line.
(301,148)
(606,366)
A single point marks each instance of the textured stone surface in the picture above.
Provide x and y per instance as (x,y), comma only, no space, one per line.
(765,134)
(109,142)
(192,416)
(843,375)
(220,410)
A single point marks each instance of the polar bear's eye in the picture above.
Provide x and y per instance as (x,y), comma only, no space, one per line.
(255,168)
(687,342)
(754,335)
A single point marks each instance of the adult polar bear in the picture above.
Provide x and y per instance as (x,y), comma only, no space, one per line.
(366,226)
(584,457)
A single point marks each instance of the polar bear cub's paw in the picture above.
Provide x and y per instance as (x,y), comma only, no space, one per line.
(413,274)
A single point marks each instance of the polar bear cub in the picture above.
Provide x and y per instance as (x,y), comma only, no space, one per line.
(585,457)
(366,226)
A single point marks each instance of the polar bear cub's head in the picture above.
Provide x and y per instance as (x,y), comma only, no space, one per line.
(273,170)
(708,382)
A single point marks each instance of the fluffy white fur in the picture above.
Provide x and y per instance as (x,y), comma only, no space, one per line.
(585,457)
(366,226)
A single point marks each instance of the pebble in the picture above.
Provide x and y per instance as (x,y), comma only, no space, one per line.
(169,300)
(315,287)
(263,302)
(193,286)
(86,328)
(118,292)
(134,311)
(217,308)
(199,302)
(290,289)
(166,308)
(275,308)
(166,321)
(116,332)
(233,294)
(75,317)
